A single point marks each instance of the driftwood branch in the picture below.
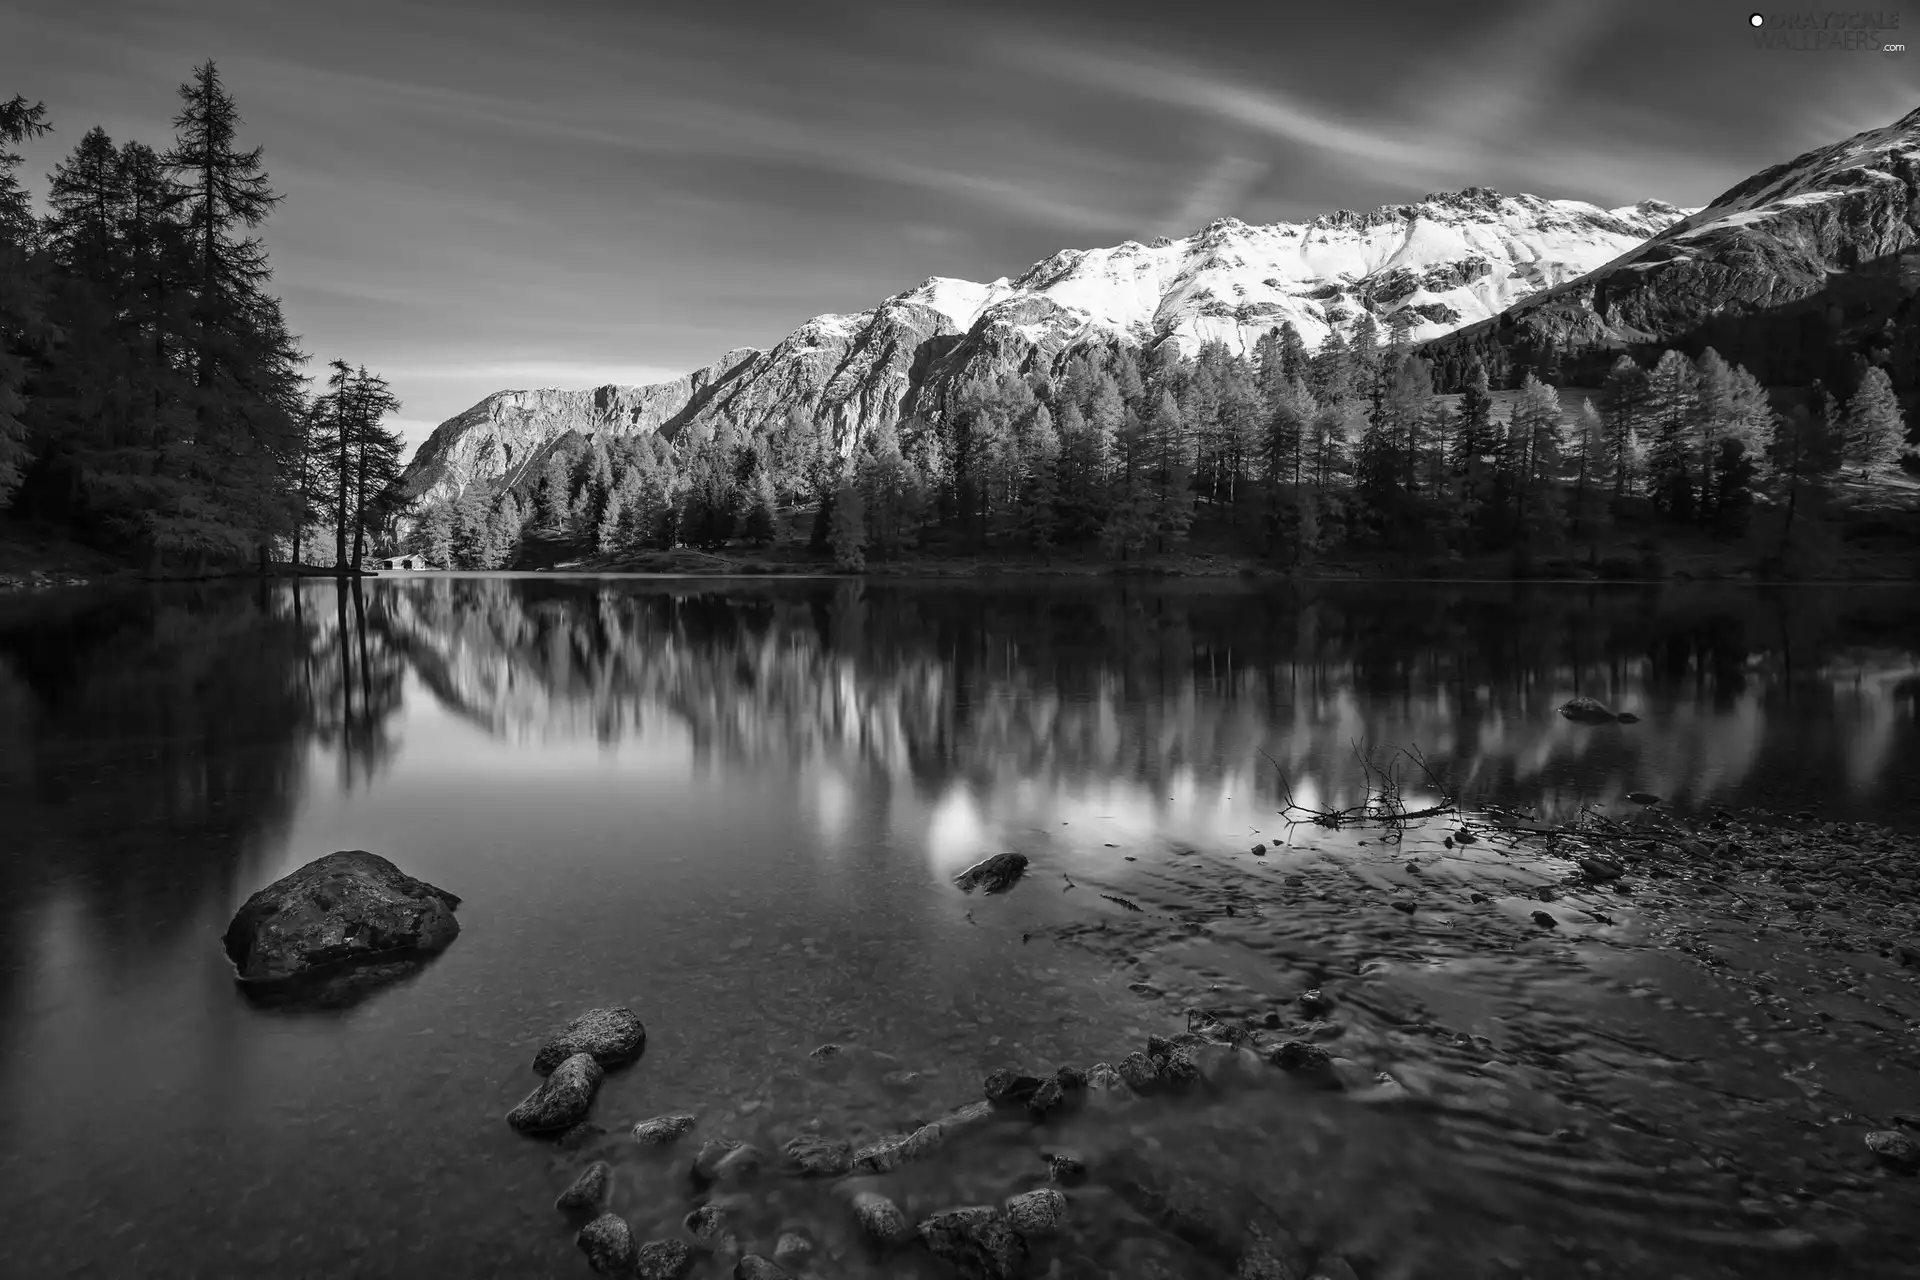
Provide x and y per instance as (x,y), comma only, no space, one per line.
(1384,805)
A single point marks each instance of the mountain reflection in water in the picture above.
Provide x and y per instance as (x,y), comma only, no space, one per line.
(734,803)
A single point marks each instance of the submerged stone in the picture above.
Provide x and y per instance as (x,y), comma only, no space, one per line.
(664,1260)
(819,1157)
(608,1243)
(1587,711)
(589,1191)
(880,1218)
(976,1240)
(664,1130)
(337,912)
(562,1099)
(755,1267)
(613,1036)
(1036,1213)
(994,875)
(1005,1088)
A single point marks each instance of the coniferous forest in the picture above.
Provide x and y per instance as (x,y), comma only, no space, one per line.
(154,404)
(152,401)
(1293,453)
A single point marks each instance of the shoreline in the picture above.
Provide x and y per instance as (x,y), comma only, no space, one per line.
(1348,1053)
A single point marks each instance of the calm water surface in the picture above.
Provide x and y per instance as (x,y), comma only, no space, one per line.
(736,806)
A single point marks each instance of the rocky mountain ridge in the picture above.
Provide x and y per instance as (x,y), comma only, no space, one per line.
(1819,254)
(1447,260)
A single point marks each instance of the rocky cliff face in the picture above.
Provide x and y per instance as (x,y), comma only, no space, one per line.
(1446,261)
(1824,243)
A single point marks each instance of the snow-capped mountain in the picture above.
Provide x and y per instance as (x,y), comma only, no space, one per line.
(1830,240)
(1445,261)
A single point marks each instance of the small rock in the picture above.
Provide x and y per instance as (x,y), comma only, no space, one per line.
(881,1218)
(608,1243)
(1139,1072)
(1047,1099)
(1544,920)
(1405,904)
(976,1240)
(792,1249)
(612,1036)
(708,1223)
(1643,797)
(1305,1061)
(1179,1071)
(1894,1149)
(562,1099)
(1006,1088)
(1545,893)
(826,1053)
(994,875)
(1333,1267)
(1476,897)
(347,908)
(755,1267)
(1627,717)
(819,1157)
(589,1190)
(664,1130)
(1106,1086)
(1259,851)
(1072,1079)
(664,1260)
(1036,1213)
(1066,1168)
(1314,1003)
(1465,836)
(737,1165)
(1600,869)
(1587,711)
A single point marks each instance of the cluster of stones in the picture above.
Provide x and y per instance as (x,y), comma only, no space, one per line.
(988,1241)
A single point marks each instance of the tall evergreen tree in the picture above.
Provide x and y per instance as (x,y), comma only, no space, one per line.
(245,365)
(1672,412)
(1623,400)
(1875,429)
(21,323)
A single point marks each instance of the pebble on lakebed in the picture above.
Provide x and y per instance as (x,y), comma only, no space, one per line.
(664,1260)
(589,1191)
(608,1243)
(664,1130)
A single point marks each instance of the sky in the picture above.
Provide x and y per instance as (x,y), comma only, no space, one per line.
(492,195)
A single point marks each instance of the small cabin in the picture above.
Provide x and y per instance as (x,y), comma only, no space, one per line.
(404,562)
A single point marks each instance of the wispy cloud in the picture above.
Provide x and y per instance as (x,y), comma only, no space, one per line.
(1264,110)
(1221,190)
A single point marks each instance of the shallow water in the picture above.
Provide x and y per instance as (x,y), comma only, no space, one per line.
(736,806)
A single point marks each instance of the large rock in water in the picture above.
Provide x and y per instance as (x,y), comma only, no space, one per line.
(343,910)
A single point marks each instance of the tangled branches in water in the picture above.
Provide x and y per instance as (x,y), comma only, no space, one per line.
(1384,804)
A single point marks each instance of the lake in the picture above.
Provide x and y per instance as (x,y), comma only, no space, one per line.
(737,806)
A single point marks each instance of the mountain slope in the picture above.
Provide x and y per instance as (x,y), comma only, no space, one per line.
(1817,255)
(1448,260)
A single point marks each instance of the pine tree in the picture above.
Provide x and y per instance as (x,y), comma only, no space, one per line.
(1537,446)
(761,525)
(1588,455)
(1875,429)
(1170,473)
(244,363)
(1039,521)
(1333,369)
(436,535)
(377,461)
(1473,436)
(21,323)
(849,534)
(1622,405)
(1672,410)
(1295,366)
(1289,435)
